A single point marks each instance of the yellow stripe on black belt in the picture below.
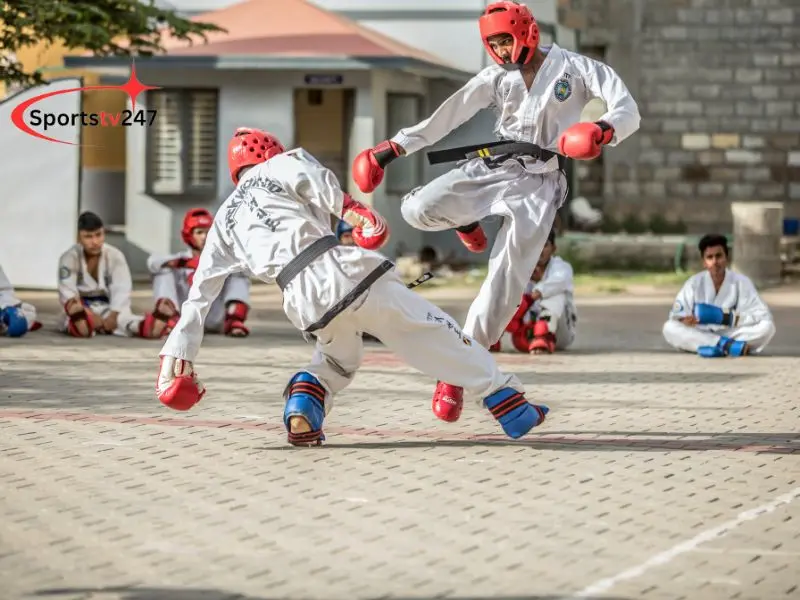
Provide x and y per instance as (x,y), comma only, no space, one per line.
(484,153)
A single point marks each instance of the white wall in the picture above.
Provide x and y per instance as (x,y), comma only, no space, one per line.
(258,99)
(40,182)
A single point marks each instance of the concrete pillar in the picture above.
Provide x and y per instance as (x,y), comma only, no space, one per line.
(757,231)
(362,136)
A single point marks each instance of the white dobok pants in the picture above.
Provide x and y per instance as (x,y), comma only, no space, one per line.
(416,330)
(127,322)
(562,321)
(563,317)
(689,339)
(526,202)
(172,285)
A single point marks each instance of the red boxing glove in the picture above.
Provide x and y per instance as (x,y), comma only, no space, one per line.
(369,165)
(190,263)
(516,321)
(584,141)
(369,229)
(183,263)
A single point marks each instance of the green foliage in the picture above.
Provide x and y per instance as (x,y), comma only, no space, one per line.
(661,226)
(633,224)
(104,27)
(568,250)
(610,225)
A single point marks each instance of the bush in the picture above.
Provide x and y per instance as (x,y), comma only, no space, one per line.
(569,252)
(633,224)
(610,225)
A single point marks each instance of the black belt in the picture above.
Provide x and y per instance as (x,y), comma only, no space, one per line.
(305,258)
(357,291)
(490,150)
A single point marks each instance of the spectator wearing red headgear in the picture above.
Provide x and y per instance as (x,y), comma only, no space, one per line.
(172,278)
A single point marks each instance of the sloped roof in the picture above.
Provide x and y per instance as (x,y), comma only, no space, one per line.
(292,28)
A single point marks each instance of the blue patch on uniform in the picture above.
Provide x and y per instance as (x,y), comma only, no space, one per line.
(562,89)
(63,273)
(677,307)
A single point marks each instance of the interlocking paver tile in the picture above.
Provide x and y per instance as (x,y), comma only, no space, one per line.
(107,495)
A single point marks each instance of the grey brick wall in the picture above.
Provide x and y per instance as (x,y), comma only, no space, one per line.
(718,86)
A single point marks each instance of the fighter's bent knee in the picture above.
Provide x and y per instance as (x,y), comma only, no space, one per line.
(81,321)
(305,398)
(416,207)
(13,322)
(515,414)
(160,322)
(670,330)
(235,316)
(767,332)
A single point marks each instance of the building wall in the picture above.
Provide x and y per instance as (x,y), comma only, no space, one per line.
(718,84)
(265,101)
(103,153)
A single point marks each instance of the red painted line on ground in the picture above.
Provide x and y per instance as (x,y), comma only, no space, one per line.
(391,435)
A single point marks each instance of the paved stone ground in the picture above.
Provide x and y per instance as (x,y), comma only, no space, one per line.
(657,475)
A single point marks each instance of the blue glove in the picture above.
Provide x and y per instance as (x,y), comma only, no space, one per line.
(708,314)
(16,325)
(725,347)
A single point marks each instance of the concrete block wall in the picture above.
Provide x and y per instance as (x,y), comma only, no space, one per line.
(718,85)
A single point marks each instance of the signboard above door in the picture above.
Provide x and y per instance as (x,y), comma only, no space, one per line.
(324,79)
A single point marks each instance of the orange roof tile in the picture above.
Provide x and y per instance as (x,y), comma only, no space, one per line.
(291,28)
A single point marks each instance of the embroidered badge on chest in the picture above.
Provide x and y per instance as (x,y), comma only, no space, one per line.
(563,88)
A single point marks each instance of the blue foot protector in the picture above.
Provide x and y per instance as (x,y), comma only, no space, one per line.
(305,398)
(515,414)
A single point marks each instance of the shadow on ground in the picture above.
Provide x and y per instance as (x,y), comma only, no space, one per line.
(145,593)
(129,385)
(761,443)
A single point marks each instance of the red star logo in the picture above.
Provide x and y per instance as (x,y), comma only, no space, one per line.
(133,87)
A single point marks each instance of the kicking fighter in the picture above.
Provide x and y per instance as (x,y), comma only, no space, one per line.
(538,94)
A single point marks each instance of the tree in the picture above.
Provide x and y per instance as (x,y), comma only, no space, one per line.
(104,27)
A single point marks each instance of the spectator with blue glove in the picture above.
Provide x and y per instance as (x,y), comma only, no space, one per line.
(718,312)
(16,317)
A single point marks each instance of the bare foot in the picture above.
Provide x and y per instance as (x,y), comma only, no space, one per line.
(301,434)
(299,425)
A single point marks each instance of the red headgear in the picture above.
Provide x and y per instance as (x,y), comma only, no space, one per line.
(250,147)
(197,217)
(515,20)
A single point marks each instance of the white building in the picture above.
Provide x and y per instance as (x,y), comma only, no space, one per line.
(333,76)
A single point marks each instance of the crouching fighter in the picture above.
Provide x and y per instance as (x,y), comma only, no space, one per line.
(172,277)
(95,284)
(276,226)
(718,312)
(546,317)
(16,317)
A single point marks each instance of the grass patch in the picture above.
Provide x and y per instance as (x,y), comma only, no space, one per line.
(609,282)
(620,281)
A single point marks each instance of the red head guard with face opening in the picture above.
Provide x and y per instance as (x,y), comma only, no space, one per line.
(513,19)
(250,147)
(197,217)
